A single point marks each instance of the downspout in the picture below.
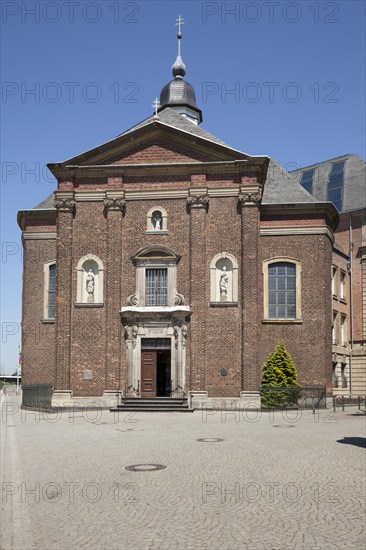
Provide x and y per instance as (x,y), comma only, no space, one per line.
(350,302)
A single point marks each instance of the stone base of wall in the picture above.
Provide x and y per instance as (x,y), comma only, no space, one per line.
(247,401)
(65,399)
(359,369)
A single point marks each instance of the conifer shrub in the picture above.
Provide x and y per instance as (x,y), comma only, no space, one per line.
(279,373)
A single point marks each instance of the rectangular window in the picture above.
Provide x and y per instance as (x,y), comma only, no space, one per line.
(334,328)
(342,285)
(156,287)
(307,180)
(335,184)
(51,291)
(282,291)
(343,330)
(334,280)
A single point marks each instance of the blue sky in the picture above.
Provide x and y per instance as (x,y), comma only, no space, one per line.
(284,79)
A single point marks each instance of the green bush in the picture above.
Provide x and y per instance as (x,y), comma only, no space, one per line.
(279,373)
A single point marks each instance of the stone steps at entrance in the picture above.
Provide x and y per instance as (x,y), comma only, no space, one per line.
(155,404)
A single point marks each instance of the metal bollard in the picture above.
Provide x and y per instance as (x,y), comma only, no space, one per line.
(342,403)
(358,403)
(334,403)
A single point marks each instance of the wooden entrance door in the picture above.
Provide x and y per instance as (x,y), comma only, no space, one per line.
(148,373)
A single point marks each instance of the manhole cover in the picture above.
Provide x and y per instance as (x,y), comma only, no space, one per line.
(283,426)
(129,430)
(145,467)
(210,439)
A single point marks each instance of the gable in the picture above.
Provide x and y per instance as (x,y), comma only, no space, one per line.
(160,150)
(154,142)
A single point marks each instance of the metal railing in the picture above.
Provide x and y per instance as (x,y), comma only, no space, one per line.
(305,397)
(37,396)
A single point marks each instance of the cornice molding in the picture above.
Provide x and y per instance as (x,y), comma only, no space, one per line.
(296,230)
(38,235)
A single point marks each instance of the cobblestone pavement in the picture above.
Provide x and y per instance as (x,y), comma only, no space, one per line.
(271,482)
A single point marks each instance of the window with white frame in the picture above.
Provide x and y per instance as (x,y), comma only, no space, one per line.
(343,330)
(156,290)
(342,285)
(156,275)
(49,301)
(334,328)
(334,280)
(282,290)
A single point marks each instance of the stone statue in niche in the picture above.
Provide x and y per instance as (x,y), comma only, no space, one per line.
(157,221)
(224,284)
(90,285)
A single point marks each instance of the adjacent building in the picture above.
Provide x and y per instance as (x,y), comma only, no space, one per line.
(342,180)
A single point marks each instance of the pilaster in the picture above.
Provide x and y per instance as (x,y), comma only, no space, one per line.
(65,205)
(197,204)
(249,202)
(114,205)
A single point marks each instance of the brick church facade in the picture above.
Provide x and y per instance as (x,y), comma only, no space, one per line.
(167,262)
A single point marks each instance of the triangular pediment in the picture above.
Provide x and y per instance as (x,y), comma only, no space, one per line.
(156,142)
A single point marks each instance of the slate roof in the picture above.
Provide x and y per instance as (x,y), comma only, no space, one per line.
(354,184)
(282,188)
(46,204)
(172,118)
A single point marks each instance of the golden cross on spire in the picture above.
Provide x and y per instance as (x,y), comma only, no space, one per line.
(156,105)
(179,22)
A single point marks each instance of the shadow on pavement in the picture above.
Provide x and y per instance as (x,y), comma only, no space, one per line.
(357,441)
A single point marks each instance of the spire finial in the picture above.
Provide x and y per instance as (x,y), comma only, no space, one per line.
(156,105)
(179,69)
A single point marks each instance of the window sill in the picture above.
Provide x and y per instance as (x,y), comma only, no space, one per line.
(48,321)
(224,304)
(157,231)
(283,321)
(343,300)
(99,304)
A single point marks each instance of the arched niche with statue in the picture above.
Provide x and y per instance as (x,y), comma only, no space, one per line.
(224,279)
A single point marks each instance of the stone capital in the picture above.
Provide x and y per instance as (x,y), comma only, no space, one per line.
(65,204)
(198,201)
(111,203)
(250,199)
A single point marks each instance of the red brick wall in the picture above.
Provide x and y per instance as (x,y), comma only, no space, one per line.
(309,343)
(38,338)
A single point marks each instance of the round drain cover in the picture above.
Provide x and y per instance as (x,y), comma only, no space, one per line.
(210,439)
(145,467)
(283,426)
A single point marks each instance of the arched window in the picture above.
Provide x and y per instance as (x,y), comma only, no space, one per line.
(282,289)
(49,301)
(223,279)
(89,280)
(157,220)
